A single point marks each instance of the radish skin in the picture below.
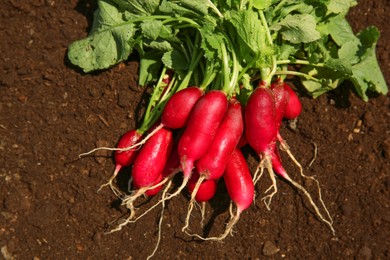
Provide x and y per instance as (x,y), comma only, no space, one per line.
(123,158)
(261,132)
(149,165)
(152,158)
(206,190)
(294,106)
(260,121)
(202,126)
(212,164)
(178,108)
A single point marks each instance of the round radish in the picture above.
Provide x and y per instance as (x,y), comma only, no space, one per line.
(206,190)
(294,106)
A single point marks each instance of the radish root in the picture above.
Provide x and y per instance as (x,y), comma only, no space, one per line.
(160,222)
(229,226)
(192,202)
(286,148)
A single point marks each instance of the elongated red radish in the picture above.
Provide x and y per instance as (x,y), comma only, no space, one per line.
(213,163)
(260,121)
(294,106)
(240,187)
(206,190)
(124,158)
(203,123)
(149,165)
(177,110)
(152,158)
(261,131)
(281,99)
(279,169)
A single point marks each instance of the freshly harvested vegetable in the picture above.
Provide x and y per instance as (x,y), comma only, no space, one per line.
(178,108)
(212,164)
(294,107)
(237,52)
(206,189)
(124,158)
(203,124)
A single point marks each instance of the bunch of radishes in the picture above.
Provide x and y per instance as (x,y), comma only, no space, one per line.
(200,133)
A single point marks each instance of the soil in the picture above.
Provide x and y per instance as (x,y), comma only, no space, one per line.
(50,113)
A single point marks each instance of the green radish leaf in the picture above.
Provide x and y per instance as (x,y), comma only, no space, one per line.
(108,43)
(262,4)
(340,6)
(298,28)
(151,29)
(150,64)
(175,60)
(366,73)
(138,7)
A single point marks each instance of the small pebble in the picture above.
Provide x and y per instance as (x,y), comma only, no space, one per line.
(269,248)
(364,253)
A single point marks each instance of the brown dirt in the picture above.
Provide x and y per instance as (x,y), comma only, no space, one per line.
(50,112)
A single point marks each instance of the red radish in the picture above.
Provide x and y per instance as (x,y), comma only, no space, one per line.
(152,158)
(238,181)
(149,165)
(212,164)
(294,106)
(203,123)
(281,99)
(176,111)
(239,184)
(206,189)
(260,121)
(261,131)
(124,158)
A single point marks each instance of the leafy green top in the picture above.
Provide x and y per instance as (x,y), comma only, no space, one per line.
(225,44)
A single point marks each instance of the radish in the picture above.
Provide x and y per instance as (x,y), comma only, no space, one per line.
(261,131)
(152,158)
(212,164)
(240,187)
(281,99)
(239,184)
(206,190)
(203,123)
(149,165)
(124,158)
(177,110)
(294,106)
